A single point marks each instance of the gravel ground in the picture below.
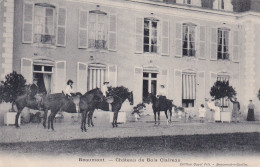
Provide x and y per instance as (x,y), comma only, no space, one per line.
(68,130)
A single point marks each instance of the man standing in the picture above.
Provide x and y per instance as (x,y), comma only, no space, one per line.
(236,108)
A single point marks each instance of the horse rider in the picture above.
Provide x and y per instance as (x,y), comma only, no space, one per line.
(162,93)
(68,89)
(104,88)
(34,93)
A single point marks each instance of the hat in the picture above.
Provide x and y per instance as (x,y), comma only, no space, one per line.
(106,82)
(69,81)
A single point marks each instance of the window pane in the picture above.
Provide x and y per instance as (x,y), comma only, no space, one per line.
(48,68)
(185,52)
(146,40)
(145,74)
(154,75)
(153,87)
(154,40)
(219,55)
(146,48)
(185,44)
(37,68)
(154,25)
(154,48)
(146,32)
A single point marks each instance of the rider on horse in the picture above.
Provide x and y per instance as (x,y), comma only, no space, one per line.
(34,93)
(162,94)
(68,89)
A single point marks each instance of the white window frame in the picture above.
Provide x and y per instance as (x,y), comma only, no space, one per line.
(223,30)
(42,69)
(151,35)
(189,26)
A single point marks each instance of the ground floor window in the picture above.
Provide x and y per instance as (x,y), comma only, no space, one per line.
(43,74)
(149,84)
(224,102)
(188,89)
(97,74)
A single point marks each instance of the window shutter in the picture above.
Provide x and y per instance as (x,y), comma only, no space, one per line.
(202,42)
(138,86)
(83,29)
(112,75)
(236,46)
(178,40)
(213,79)
(213,44)
(139,28)
(60,76)
(177,87)
(163,79)
(27,69)
(82,77)
(200,88)
(165,37)
(28,15)
(61,27)
(112,33)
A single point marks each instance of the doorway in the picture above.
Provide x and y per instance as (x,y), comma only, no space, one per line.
(149,84)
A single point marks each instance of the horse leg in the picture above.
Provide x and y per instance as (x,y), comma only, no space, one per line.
(116,116)
(154,113)
(17,117)
(170,110)
(44,118)
(50,119)
(85,119)
(82,120)
(158,117)
(166,114)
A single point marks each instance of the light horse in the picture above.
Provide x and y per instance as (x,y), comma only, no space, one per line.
(119,94)
(88,102)
(161,105)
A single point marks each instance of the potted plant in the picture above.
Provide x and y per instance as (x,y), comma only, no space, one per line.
(10,89)
(222,89)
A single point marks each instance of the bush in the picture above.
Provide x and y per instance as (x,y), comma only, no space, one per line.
(12,87)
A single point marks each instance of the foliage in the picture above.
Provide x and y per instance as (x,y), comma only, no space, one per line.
(207,4)
(222,89)
(12,87)
(241,5)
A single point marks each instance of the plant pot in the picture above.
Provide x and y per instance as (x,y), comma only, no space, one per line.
(225,116)
(9,118)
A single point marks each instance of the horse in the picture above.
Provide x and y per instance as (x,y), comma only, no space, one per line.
(88,103)
(160,105)
(119,95)
(58,102)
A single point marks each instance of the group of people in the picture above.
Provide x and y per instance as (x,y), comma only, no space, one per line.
(215,108)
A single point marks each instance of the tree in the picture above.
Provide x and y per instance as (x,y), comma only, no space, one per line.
(12,87)
(222,89)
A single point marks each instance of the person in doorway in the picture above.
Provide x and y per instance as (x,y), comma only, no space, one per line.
(104,88)
(251,114)
(68,89)
(236,108)
(202,113)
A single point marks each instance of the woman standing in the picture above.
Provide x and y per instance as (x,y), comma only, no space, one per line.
(251,114)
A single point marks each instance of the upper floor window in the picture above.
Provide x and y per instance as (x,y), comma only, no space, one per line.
(44,24)
(223,43)
(188,40)
(187,2)
(97,30)
(150,35)
(40,25)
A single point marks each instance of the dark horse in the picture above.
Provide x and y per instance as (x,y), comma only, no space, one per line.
(161,105)
(54,102)
(119,94)
(88,102)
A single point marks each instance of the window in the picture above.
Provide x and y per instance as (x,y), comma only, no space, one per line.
(224,102)
(188,40)
(221,4)
(44,24)
(97,74)
(223,43)
(150,35)
(42,69)
(149,84)
(187,2)
(97,30)
(188,89)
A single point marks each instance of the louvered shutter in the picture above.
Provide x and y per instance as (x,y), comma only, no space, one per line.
(163,80)
(138,85)
(28,15)
(236,46)
(177,87)
(27,70)
(61,27)
(82,77)
(200,88)
(178,40)
(60,76)
(112,33)
(139,32)
(112,75)
(83,29)
(202,42)
(165,38)
(213,44)
(213,79)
